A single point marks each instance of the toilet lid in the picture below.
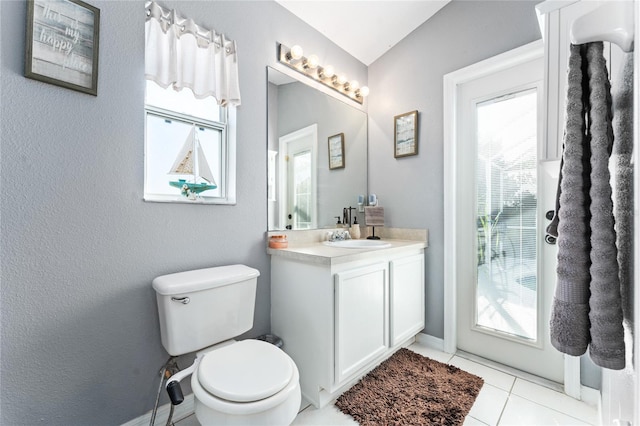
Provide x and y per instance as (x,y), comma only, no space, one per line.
(245,371)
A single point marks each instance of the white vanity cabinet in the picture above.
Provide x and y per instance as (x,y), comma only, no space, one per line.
(340,316)
(361,318)
(406,294)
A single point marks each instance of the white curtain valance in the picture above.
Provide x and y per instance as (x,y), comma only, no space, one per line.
(182,54)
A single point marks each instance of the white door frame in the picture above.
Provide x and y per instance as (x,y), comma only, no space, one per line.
(452,81)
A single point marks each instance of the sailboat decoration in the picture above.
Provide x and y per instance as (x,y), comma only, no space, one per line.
(191,161)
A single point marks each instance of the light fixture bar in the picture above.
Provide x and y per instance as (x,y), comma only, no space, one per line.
(294,58)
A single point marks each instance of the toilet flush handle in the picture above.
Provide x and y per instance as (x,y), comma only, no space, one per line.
(183,300)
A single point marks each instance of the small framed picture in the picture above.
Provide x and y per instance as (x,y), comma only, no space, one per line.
(405,133)
(336,151)
(62,44)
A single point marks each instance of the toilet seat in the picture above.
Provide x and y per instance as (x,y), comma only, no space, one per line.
(246,371)
(290,394)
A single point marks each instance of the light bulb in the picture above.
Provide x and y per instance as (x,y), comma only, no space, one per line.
(363,92)
(312,62)
(351,86)
(327,72)
(295,52)
(340,79)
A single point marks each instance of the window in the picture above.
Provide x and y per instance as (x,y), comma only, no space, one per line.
(189,148)
(190,145)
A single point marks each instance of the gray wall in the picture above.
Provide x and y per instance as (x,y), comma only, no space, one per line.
(80,337)
(409,77)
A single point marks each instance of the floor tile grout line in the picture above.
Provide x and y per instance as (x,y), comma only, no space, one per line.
(504,406)
(527,398)
(552,409)
(510,390)
(518,374)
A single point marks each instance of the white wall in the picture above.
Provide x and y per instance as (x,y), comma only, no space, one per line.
(80,337)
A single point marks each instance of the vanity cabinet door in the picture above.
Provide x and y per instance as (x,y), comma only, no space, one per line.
(406,292)
(361,318)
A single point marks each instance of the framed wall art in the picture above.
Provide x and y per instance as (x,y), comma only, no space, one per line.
(62,44)
(336,151)
(405,134)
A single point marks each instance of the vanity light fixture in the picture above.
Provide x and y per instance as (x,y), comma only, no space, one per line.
(310,66)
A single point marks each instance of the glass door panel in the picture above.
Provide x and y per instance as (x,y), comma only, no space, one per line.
(506,209)
(302,190)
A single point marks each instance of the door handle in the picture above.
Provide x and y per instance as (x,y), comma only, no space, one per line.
(550,239)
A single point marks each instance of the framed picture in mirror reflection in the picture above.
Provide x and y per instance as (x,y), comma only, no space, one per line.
(336,151)
(405,134)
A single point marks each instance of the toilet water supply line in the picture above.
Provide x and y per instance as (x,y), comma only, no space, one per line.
(173,383)
(170,367)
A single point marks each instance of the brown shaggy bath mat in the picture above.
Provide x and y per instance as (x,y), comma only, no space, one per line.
(409,389)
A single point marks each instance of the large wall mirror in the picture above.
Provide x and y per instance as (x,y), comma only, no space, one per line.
(317,152)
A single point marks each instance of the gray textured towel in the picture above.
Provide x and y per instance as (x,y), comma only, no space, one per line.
(587,308)
(570,310)
(605,307)
(622,170)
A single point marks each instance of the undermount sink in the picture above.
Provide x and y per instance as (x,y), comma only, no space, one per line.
(358,244)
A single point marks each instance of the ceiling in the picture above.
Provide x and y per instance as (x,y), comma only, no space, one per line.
(364,28)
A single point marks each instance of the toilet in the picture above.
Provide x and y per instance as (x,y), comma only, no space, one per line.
(247,382)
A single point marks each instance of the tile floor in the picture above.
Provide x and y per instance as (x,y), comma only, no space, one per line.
(503,400)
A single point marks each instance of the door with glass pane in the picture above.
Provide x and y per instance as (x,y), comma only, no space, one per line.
(503,294)
(298,179)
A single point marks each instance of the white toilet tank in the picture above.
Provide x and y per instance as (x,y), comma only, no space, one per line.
(200,308)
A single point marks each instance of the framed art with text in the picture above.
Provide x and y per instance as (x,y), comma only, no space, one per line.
(62,44)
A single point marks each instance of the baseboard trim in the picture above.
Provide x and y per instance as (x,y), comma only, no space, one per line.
(591,396)
(431,341)
(181,411)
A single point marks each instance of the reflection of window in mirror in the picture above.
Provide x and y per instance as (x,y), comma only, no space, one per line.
(187,147)
(271,177)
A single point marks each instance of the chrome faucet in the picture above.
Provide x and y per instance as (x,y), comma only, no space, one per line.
(338,235)
(346,216)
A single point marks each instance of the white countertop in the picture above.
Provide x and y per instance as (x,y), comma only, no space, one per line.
(319,253)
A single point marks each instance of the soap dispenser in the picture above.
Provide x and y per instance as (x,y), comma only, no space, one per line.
(355,230)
